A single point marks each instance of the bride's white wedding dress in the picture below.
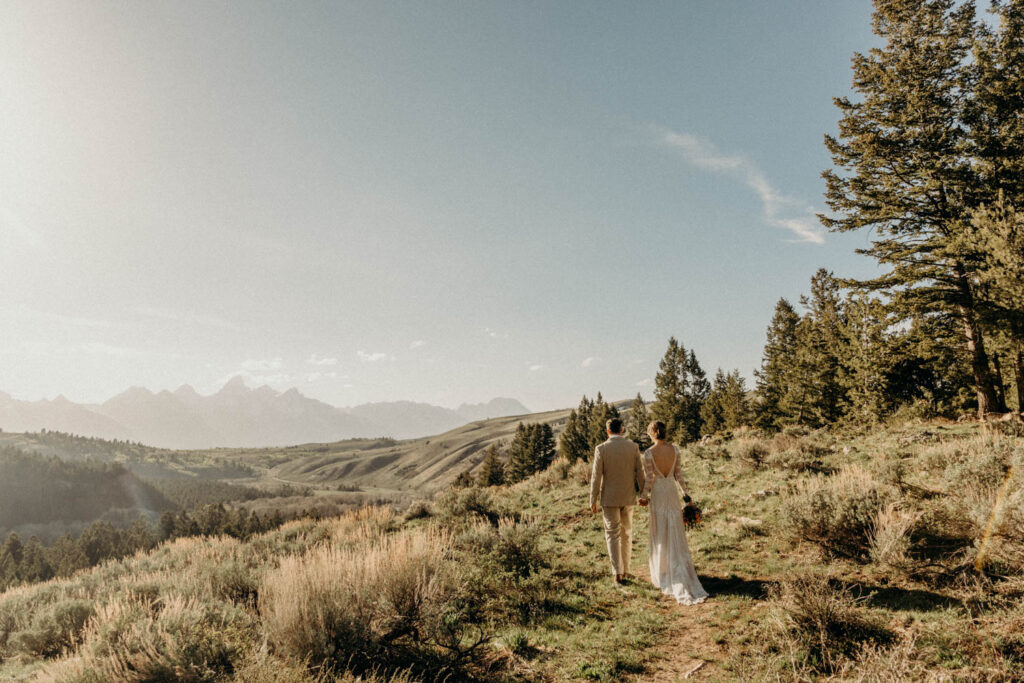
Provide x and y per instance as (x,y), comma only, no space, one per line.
(671,566)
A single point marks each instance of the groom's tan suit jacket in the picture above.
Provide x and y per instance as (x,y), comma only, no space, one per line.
(618,473)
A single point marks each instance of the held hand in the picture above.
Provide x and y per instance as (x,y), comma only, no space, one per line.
(643,502)
(593,508)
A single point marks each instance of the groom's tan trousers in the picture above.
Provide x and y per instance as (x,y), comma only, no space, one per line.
(618,532)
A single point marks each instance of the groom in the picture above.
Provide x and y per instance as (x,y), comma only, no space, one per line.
(618,474)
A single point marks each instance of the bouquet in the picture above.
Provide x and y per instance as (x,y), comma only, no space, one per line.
(691,513)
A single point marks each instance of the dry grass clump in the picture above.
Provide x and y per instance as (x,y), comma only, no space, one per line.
(465,506)
(52,630)
(390,602)
(750,451)
(818,626)
(837,513)
(555,474)
(181,640)
(889,539)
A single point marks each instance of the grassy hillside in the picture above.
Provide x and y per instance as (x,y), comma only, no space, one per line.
(895,554)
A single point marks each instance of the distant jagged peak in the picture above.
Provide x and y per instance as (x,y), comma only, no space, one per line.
(266,391)
(132,394)
(496,407)
(235,385)
(186,391)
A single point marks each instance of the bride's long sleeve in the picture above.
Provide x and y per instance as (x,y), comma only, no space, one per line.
(648,476)
(678,474)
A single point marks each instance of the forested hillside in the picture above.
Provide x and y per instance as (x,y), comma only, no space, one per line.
(871,554)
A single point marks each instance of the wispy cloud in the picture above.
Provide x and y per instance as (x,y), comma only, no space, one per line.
(11,224)
(589,360)
(316,376)
(314,359)
(777,209)
(262,364)
(417,344)
(535,368)
(185,317)
(372,357)
(645,382)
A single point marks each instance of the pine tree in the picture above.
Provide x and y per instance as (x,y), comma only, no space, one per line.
(638,421)
(492,472)
(601,412)
(545,451)
(727,406)
(777,367)
(998,232)
(868,359)
(824,350)
(574,442)
(520,461)
(680,389)
(904,171)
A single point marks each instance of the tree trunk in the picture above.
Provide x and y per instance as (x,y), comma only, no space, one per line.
(997,369)
(984,383)
(1018,375)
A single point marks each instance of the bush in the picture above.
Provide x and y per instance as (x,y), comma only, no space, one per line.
(837,513)
(394,602)
(750,451)
(511,548)
(184,640)
(889,540)
(417,510)
(467,505)
(55,629)
(821,625)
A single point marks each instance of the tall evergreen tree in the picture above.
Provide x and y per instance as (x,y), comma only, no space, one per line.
(727,406)
(824,350)
(680,389)
(903,167)
(601,412)
(520,461)
(639,418)
(777,366)
(574,442)
(492,471)
(544,449)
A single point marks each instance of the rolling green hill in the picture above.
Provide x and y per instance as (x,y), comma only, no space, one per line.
(881,554)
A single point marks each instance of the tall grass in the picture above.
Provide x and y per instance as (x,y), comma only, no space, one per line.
(353,608)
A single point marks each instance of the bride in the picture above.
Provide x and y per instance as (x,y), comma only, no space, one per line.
(671,567)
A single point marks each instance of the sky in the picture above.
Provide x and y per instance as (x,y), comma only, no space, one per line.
(435,201)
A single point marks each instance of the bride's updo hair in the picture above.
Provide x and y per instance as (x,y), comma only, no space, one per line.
(656,430)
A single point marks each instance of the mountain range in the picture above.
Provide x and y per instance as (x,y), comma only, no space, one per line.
(239,416)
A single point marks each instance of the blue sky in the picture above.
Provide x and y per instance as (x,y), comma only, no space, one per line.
(438,201)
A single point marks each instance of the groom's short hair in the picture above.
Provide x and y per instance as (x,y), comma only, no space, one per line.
(614,425)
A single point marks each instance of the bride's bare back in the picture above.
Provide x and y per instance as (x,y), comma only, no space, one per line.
(664,457)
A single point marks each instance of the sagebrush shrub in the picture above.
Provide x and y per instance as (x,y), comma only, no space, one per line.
(54,629)
(837,513)
(182,640)
(393,601)
(466,505)
(750,451)
(889,539)
(822,622)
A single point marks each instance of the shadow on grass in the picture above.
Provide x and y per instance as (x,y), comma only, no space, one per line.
(735,585)
(898,599)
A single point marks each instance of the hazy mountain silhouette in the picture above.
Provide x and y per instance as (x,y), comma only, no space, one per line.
(239,416)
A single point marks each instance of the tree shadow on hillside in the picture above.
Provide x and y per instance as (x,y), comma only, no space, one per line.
(898,599)
(735,585)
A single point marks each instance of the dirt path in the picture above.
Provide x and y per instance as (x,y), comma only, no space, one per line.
(691,644)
